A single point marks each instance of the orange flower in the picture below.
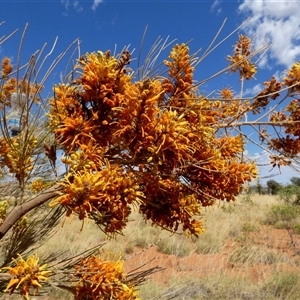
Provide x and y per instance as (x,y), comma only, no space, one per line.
(102,195)
(181,69)
(6,67)
(240,61)
(38,185)
(226,94)
(292,79)
(27,274)
(103,279)
(150,142)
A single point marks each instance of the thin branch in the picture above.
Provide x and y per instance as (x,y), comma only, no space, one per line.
(254,123)
(22,209)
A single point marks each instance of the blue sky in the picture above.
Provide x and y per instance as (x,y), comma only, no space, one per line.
(101,25)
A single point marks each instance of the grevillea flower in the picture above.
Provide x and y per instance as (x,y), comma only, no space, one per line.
(3,210)
(271,91)
(6,67)
(19,159)
(26,275)
(151,143)
(104,196)
(226,94)
(38,185)
(292,79)
(102,279)
(181,70)
(241,60)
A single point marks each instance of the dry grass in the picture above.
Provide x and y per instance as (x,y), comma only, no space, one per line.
(236,258)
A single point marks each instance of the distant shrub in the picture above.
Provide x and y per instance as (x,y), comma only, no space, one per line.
(284,214)
(273,186)
(290,194)
(285,217)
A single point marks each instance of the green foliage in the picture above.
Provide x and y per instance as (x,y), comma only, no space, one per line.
(296,228)
(290,194)
(285,217)
(245,236)
(248,227)
(259,187)
(273,186)
(295,181)
(285,214)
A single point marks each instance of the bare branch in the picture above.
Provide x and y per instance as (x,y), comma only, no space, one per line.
(24,208)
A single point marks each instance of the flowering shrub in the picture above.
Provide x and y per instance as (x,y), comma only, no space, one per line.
(154,143)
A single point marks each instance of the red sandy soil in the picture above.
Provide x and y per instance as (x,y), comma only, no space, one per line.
(201,265)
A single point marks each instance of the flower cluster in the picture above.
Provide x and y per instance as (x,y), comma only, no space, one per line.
(38,185)
(3,210)
(21,225)
(151,143)
(180,72)
(292,80)
(6,67)
(271,91)
(19,159)
(289,144)
(103,195)
(241,60)
(27,274)
(102,279)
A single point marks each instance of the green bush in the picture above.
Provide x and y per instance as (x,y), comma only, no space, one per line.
(273,186)
(290,194)
(283,215)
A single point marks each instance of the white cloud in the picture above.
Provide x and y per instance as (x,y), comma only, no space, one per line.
(95,4)
(65,3)
(73,4)
(253,90)
(76,6)
(275,22)
(215,7)
(266,172)
(279,75)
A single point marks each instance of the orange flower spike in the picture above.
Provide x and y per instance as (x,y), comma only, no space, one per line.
(27,274)
(6,67)
(37,186)
(98,68)
(180,68)
(103,279)
(293,77)
(8,88)
(105,193)
(243,46)
(226,94)
(240,61)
